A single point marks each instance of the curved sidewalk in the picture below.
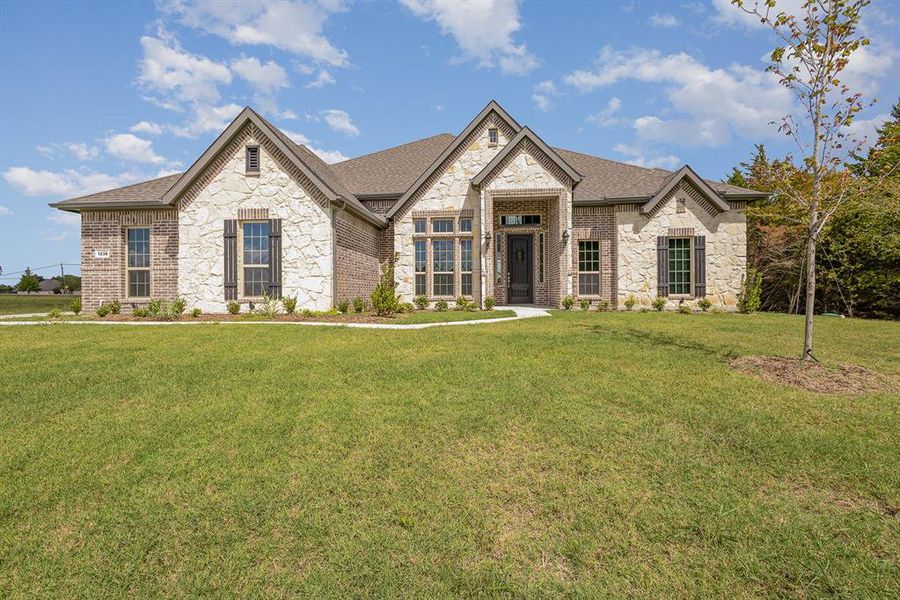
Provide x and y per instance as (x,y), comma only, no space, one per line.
(522,312)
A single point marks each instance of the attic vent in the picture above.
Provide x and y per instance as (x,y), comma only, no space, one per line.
(492,136)
(253,159)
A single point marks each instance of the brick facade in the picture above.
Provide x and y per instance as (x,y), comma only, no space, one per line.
(596,223)
(104,279)
(357,261)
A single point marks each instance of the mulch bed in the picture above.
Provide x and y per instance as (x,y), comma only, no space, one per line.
(341,318)
(816,377)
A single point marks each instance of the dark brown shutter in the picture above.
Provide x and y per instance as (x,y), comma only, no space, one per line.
(700,266)
(662,266)
(230,259)
(275,258)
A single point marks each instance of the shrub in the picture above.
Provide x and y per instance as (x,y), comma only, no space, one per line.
(233,308)
(76,305)
(384,297)
(644,309)
(102,311)
(684,309)
(659,303)
(115,307)
(268,307)
(630,302)
(421,301)
(290,304)
(343,306)
(704,304)
(196,312)
(178,306)
(568,302)
(154,307)
(440,305)
(489,303)
(462,303)
(359,305)
(751,289)
(585,305)
(306,312)
(407,307)
(54,314)
(603,306)
(140,312)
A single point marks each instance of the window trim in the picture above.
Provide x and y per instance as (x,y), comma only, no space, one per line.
(148,268)
(247,150)
(541,258)
(598,272)
(690,269)
(521,217)
(463,272)
(240,258)
(493,132)
(455,237)
(452,225)
(416,272)
(452,272)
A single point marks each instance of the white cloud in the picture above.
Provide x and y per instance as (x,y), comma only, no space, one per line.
(663,20)
(605,117)
(329,156)
(177,75)
(543,93)
(80,151)
(483,30)
(65,183)
(5,211)
(146,127)
(64,218)
(864,130)
(266,78)
(129,147)
(717,101)
(727,14)
(340,121)
(290,26)
(208,118)
(638,158)
(322,79)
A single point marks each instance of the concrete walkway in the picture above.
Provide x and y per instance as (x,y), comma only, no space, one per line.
(522,312)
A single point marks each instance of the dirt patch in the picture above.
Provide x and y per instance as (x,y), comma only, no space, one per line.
(816,377)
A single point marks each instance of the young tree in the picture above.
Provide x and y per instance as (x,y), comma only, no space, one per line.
(29,282)
(817,44)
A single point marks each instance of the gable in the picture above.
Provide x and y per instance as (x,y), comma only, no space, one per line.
(685,179)
(527,161)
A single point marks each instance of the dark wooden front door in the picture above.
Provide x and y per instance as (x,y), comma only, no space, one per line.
(519,268)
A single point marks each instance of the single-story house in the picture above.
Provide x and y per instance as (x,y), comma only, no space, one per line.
(493,211)
(49,286)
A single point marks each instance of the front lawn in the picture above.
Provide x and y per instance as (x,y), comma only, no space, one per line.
(20,304)
(601,454)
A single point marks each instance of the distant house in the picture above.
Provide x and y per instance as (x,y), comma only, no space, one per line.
(49,286)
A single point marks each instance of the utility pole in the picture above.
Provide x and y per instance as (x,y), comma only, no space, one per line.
(62,278)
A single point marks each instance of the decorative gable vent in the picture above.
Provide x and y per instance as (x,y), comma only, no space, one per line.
(253,159)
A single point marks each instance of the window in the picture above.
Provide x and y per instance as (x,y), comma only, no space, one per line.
(465,225)
(465,266)
(589,268)
(252,159)
(680,266)
(442,225)
(420,225)
(512,220)
(420,267)
(255,258)
(541,258)
(498,263)
(139,262)
(492,136)
(442,267)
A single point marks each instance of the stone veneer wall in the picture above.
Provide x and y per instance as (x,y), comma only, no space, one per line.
(223,191)
(357,260)
(104,279)
(596,223)
(448,189)
(726,248)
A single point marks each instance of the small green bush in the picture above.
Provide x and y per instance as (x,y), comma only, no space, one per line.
(154,307)
(704,304)
(178,307)
(462,303)
(115,307)
(140,312)
(659,303)
(290,304)
(384,298)
(54,314)
(749,298)
(359,305)
(684,309)
(407,307)
(440,305)
(343,306)
(76,305)
(585,305)
(604,306)
(268,307)
(102,311)
(196,312)
(233,308)
(630,302)
(489,303)
(568,302)
(421,301)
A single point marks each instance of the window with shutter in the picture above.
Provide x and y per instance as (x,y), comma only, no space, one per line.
(662,266)
(252,154)
(231,269)
(700,266)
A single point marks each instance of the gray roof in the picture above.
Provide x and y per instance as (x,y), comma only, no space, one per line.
(394,172)
(390,172)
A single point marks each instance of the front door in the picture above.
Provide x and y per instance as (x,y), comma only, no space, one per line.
(519,269)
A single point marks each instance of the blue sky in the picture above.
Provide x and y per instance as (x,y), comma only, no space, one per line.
(101,94)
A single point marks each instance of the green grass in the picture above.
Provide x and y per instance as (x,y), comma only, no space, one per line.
(448,316)
(584,454)
(18,304)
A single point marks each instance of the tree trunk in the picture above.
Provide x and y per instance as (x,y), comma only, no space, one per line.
(810,282)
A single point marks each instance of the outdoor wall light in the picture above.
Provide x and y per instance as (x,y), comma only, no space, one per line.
(487,238)
(565,237)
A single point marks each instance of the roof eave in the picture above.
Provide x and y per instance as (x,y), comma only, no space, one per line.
(78,207)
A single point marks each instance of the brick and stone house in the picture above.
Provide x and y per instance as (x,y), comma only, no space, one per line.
(492,211)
